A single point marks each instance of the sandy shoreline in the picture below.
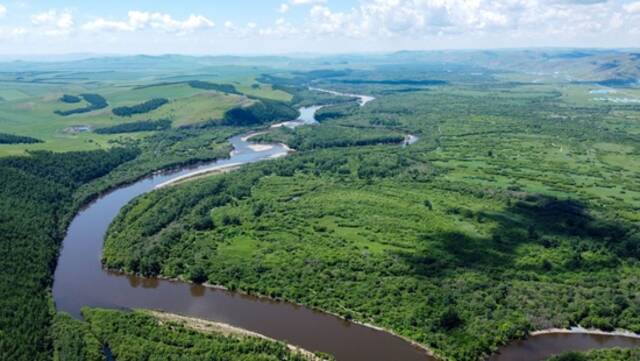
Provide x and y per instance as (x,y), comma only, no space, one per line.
(201,325)
(586,331)
(219,169)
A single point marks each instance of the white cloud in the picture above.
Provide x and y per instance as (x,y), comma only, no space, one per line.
(283,8)
(12,33)
(3,10)
(633,8)
(281,28)
(307,2)
(138,20)
(53,22)
(415,19)
(240,31)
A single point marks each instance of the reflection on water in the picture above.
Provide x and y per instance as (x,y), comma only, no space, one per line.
(197,290)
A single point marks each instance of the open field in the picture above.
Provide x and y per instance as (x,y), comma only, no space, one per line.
(27,107)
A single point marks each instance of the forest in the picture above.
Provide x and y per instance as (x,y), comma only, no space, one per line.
(36,201)
(260,112)
(139,126)
(142,108)
(71,99)
(95,101)
(6,138)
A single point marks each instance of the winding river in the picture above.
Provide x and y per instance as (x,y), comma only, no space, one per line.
(81,281)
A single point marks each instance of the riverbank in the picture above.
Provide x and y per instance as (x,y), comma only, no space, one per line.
(586,331)
(261,298)
(225,329)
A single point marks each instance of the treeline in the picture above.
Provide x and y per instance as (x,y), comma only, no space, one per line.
(197,84)
(139,126)
(6,138)
(146,107)
(205,85)
(133,336)
(394,82)
(66,98)
(36,199)
(260,112)
(95,101)
(337,111)
(327,136)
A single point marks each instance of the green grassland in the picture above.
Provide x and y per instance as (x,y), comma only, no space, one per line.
(28,106)
(516,210)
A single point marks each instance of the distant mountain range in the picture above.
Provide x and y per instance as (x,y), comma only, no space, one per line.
(613,67)
(609,67)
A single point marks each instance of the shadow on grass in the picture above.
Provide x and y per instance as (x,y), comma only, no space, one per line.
(538,220)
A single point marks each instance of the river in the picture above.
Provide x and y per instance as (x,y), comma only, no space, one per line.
(81,281)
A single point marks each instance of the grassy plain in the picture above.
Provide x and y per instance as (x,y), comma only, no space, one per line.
(27,106)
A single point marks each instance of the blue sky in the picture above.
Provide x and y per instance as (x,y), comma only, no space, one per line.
(295,26)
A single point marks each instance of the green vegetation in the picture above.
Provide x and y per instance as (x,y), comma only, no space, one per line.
(36,201)
(141,108)
(40,193)
(138,335)
(17,139)
(95,101)
(516,210)
(601,355)
(71,99)
(74,341)
(132,127)
(260,112)
(311,137)
(224,88)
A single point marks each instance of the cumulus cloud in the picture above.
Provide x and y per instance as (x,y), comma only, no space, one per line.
(54,22)
(3,10)
(139,20)
(415,18)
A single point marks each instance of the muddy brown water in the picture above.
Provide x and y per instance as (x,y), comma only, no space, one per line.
(81,281)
